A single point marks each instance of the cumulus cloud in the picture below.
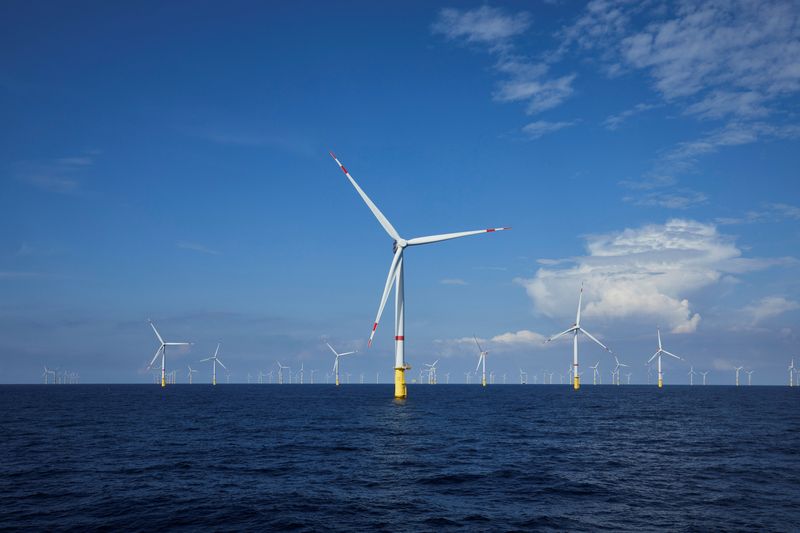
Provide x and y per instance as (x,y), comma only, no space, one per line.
(645,273)
(504,342)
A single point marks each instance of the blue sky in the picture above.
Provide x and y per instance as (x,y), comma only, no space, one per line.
(171,161)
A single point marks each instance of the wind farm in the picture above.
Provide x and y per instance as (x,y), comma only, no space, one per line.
(248,188)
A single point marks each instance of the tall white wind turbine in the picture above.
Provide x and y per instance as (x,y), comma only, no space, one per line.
(336,362)
(615,372)
(395,278)
(738,369)
(281,368)
(704,374)
(162,350)
(791,371)
(658,354)
(575,329)
(214,360)
(749,377)
(481,360)
(431,372)
(691,375)
(192,371)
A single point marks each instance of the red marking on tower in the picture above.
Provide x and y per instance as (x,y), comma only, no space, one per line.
(399,338)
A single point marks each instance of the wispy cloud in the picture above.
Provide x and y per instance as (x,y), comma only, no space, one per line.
(453,281)
(540,128)
(18,275)
(195,247)
(526,80)
(679,199)
(768,307)
(61,175)
(613,122)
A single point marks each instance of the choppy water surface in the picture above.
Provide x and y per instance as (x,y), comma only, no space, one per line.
(311,457)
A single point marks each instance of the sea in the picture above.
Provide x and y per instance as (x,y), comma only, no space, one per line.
(351,458)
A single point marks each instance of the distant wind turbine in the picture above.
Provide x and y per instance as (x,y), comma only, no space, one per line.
(691,375)
(749,377)
(658,355)
(214,361)
(395,278)
(192,371)
(162,350)
(281,368)
(336,362)
(704,374)
(575,329)
(481,360)
(738,369)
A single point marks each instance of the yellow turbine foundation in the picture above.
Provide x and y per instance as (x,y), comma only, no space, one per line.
(337,381)
(400,383)
(577,382)
(214,381)
(163,383)
(660,383)
(483,381)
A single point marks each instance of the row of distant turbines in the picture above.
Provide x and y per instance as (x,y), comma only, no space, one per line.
(60,377)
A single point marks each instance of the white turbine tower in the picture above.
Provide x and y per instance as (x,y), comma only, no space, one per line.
(658,354)
(214,362)
(336,362)
(704,374)
(163,351)
(575,329)
(691,375)
(312,375)
(192,371)
(481,360)
(749,377)
(791,371)
(395,278)
(738,369)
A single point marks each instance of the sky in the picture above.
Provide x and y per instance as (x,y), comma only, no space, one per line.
(169,161)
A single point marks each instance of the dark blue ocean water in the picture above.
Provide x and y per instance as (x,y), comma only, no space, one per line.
(313,457)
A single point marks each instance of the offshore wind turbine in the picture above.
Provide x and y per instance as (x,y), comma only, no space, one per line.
(312,375)
(192,371)
(336,362)
(616,369)
(575,329)
(791,371)
(658,354)
(163,351)
(749,377)
(481,360)
(691,375)
(738,369)
(214,360)
(280,372)
(395,278)
(704,374)
(595,373)
(431,372)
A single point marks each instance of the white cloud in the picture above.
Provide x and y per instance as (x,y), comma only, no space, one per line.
(538,129)
(504,342)
(613,122)
(644,274)
(57,175)
(485,25)
(769,307)
(679,199)
(527,81)
(453,281)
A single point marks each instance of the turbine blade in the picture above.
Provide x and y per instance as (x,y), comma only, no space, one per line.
(216,351)
(334,351)
(580,300)
(606,348)
(672,354)
(348,353)
(154,357)
(554,337)
(156,332)
(654,356)
(658,331)
(220,362)
(335,364)
(206,359)
(386,290)
(479,362)
(480,348)
(447,236)
(372,207)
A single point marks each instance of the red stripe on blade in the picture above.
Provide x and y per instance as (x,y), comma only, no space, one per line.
(374,327)
(489,230)
(400,338)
